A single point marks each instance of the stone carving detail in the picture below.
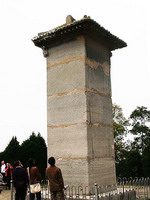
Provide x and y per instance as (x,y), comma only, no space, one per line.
(45,51)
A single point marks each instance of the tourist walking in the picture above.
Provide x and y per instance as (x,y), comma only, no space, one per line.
(55,178)
(34,177)
(20,181)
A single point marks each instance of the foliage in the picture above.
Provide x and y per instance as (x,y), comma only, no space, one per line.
(121,163)
(120,124)
(133,164)
(132,157)
(11,152)
(129,160)
(146,161)
(140,128)
(34,147)
(130,164)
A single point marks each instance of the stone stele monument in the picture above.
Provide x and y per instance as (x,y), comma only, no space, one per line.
(79,105)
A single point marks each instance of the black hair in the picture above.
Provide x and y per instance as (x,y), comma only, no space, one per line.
(51,161)
(16,163)
(31,162)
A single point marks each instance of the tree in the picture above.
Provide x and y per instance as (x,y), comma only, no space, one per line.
(120,124)
(146,161)
(35,148)
(1,156)
(140,119)
(12,151)
(133,164)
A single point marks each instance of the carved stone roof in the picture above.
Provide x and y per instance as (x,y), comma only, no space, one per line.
(86,26)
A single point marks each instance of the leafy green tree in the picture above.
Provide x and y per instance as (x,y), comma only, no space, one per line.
(130,164)
(1,156)
(140,119)
(12,151)
(121,163)
(133,164)
(35,148)
(120,124)
(146,161)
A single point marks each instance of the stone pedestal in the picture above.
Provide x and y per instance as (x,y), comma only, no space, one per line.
(79,106)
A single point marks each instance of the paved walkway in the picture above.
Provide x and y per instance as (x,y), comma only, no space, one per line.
(5,195)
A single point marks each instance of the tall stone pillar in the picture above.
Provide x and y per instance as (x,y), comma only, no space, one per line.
(79,106)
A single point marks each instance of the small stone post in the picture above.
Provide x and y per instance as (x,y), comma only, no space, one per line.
(79,105)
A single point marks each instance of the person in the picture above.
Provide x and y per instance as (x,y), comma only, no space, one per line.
(1,183)
(8,174)
(34,177)
(55,178)
(20,181)
(3,166)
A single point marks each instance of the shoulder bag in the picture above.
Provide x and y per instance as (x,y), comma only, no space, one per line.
(35,187)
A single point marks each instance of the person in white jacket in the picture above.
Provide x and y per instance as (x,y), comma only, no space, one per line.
(3,166)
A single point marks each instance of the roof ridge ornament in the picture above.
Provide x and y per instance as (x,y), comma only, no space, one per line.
(69,19)
(86,17)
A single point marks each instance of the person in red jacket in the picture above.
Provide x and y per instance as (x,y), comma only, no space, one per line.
(8,174)
(55,178)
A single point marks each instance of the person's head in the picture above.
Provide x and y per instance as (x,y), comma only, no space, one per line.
(51,161)
(17,163)
(31,162)
(7,165)
(2,162)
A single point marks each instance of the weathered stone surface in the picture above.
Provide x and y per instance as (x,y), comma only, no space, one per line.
(75,172)
(98,68)
(97,51)
(98,81)
(68,142)
(100,142)
(101,171)
(69,146)
(101,155)
(80,112)
(67,109)
(97,108)
(65,78)
(65,51)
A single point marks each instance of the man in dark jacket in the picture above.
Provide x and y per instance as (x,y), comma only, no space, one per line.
(55,178)
(20,181)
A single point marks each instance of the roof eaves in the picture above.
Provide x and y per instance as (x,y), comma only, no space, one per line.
(83,26)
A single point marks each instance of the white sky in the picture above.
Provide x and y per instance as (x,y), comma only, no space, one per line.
(23,67)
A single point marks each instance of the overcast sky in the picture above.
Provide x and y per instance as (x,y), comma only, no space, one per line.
(23,67)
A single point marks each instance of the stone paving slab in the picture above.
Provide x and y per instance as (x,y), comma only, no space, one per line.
(5,195)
